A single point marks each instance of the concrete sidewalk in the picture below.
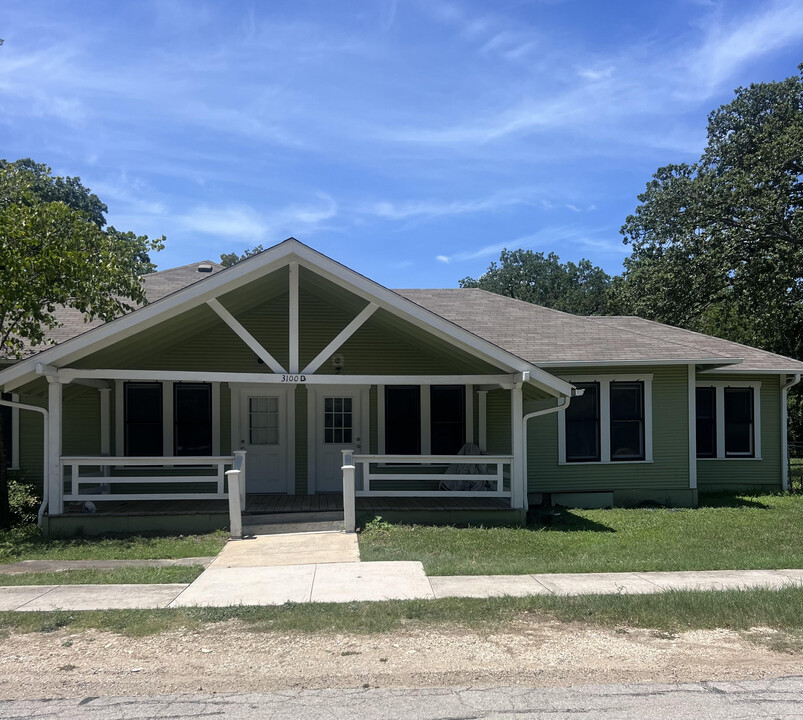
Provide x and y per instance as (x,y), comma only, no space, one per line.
(357,582)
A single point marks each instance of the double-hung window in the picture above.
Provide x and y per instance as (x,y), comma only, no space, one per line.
(428,420)
(146,416)
(610,422)
(727,421)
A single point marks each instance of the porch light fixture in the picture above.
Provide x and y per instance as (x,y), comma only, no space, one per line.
(338,362)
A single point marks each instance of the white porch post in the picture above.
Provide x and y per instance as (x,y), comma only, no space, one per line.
(53,471)
(518,485)
(294,312)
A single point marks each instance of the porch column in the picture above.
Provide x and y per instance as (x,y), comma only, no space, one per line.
(518,486)
(55,485)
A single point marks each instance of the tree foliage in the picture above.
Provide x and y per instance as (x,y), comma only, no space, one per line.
(718,244)
(582,289)
(55,249)
(229,259)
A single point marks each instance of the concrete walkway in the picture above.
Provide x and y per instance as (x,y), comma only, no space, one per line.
(355,582)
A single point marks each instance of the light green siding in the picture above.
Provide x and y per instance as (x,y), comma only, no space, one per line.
(81,410)
(670,466)
(31,442)
(498,423)
(724,474)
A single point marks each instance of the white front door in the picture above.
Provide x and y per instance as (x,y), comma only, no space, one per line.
(337,428)
(263,428)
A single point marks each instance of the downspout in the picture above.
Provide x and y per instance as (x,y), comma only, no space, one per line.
(23,406)
(563,403)
(784,431)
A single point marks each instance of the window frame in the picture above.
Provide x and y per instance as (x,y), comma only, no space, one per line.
(167,416)
(719,390)
(605,420)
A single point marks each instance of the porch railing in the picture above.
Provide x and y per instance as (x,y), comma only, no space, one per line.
(452,475)
(96,474)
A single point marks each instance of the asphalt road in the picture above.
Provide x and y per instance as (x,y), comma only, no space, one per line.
(749,699)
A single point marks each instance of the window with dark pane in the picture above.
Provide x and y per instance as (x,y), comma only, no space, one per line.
(142,419)
(706,401)
(447,405)
(263,420)
(338,427)
(403,419)
(582,425)
(627,420)
(7,417)
(739,422)
(192,419)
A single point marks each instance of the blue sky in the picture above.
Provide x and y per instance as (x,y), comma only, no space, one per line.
(410,139)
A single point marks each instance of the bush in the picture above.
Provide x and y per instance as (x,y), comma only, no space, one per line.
(23,501)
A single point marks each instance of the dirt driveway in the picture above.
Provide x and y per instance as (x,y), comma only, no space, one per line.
(230,657)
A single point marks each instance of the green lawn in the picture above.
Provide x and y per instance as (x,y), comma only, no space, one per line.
(119,576)
(725,532)
(28,543)
(672,611)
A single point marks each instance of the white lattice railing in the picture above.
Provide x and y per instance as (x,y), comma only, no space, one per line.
(90,477)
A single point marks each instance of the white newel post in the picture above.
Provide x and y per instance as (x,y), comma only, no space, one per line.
(236,478)
(517,469)
(349,492)
(53,471)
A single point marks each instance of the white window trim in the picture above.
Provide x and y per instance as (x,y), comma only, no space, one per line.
(719,387)
(167,417)
(605,420)
(426,417)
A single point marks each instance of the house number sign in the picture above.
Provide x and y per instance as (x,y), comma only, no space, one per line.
(294,378)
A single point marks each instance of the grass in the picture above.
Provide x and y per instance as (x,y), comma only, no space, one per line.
(118,576)
(669,612)
(725,532)
(28,543)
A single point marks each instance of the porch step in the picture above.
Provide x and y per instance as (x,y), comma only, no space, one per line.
(292,523)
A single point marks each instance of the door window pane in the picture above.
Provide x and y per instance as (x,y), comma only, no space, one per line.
(627,420)
(143,419)
(192,416)
(403,420)
(337,421)
(263,420)
(706,401)
(739,422)
(447,419)
(582,425)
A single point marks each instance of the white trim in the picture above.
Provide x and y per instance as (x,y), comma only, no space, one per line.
(293,316)
(53,472)
(605,420)
(119,430)
(104,395)
(215,418)
(380,419)
(719,386)
(469,403)
(341,337)
(290,461)
(236,438)
(245,336)
(518,486)
(15,434)
(258,266)
(749,371)
(425,419)
(482,419)
(692,419)
(168,418)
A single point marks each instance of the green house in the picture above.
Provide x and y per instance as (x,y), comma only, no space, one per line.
(285,371)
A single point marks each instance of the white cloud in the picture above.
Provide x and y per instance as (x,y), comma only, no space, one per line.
(434,208)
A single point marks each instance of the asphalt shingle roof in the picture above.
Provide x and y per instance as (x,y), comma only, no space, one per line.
(534,333)
(544,336)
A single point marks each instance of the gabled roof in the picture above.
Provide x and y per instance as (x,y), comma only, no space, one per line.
(174,303)
(550,338)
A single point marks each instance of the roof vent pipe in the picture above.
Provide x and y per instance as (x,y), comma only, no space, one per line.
(205,268)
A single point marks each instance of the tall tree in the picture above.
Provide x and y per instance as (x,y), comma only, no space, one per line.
(718,244)
(232,258)
(582,289)
(55,250)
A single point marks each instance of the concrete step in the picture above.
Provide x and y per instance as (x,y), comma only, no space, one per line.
(292,523)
